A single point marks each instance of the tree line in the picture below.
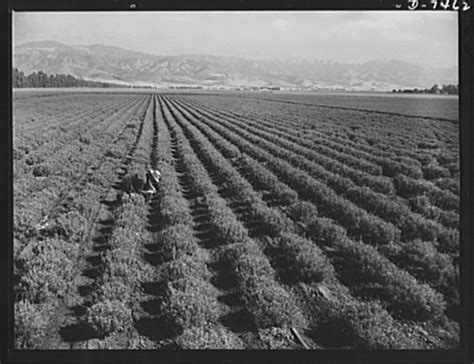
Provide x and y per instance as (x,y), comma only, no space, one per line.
(42,79)
(435,89)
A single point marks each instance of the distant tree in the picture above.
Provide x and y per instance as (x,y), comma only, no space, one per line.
(434,89)
(42,79)
(450,89)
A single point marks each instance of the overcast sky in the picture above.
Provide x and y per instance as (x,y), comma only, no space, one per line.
(427,37)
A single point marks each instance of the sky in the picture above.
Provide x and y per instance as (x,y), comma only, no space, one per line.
(424,37)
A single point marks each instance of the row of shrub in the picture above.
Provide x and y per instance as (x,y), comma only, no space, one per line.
(76,112)
(267,302)
(400,276)
(361,325)
(411,224)
(334,139)
(46,258)
(362,173)
(52,140)
(448,238)
(392,160)
(67,166)
(249,167)
(359,264)
(378,204)
(449,184)
(309,261)
(111,308)
(319,154)
(387,161)
(45,267)
(374,229)
(408,187)
(189,307)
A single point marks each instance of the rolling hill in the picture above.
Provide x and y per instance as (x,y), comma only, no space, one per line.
(114,64)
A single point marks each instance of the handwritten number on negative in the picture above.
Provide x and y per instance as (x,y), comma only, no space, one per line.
(412,4)
(443,4)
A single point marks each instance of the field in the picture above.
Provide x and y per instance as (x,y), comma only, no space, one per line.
(272,219)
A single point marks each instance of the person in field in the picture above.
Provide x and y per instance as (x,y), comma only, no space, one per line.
(141,182)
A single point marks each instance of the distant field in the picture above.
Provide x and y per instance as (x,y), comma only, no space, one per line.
(271,216)
(435,106)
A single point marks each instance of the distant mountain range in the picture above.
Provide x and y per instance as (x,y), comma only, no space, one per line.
(113,64)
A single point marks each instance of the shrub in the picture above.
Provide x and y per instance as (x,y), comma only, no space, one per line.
(270,304)
(409,187)
(124,265)
(453,168)
(449,241)
(209,337)
(270,218)
(425,158)
(378,231)
(133,212)
(444,158)
(189,303)
(113,289)
(380,184)
(276,338)
(364,325)
(176,241)
(417,227)
(449,219)
(72,225)
(406,296)
(445,200)
(31,325)
(228,228)
(247,267)
(449,184)
(230,254)
(437,268)
(48,268)
(422,205)
(303,212)
(326,232)
(174,210)
(125,238)
(305,260)
(185,267)
(109,317)
(433,172)
(392,168)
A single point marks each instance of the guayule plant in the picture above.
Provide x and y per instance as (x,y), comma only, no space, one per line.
(31,324)
(47,268)
(176,241)
(270,304)
(184,267)
(304,259)
(209,337)
(109,316)
(190,302)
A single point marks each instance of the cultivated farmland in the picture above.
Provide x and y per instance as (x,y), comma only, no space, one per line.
(272,219)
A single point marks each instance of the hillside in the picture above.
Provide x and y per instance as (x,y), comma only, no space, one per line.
(107,63)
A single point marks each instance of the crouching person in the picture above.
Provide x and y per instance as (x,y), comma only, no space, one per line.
(149,189)
(141,182)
